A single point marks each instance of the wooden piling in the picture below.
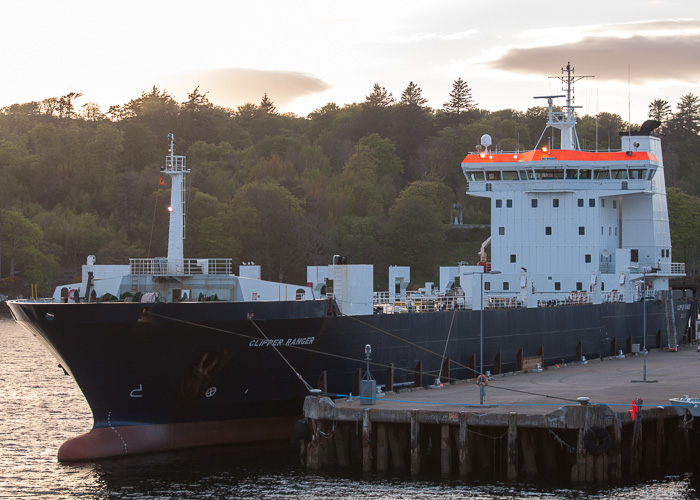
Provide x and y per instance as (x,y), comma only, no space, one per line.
(396,449)
(367,457)
(418,375)
(342,444)
(512,454)
(389,382)
(528,450)
(465,462)
(615,451)
(382,449)
(415,443)
(445,450)
(660,438)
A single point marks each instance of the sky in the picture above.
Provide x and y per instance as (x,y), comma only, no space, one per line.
(307,53)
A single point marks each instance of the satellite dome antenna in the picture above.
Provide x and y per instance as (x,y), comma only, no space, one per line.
(486,141)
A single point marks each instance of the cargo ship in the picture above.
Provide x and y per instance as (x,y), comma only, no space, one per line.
(177,352)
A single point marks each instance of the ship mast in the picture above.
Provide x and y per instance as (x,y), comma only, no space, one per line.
(175,167)
(565,120)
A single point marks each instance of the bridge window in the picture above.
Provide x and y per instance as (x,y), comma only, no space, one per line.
(638,173)
(584,174)
(475,176)
(510,175)
(601,174)
(549,174)
(619,174)
(493,176)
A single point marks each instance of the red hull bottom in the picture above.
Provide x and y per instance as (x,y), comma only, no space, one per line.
(107,442)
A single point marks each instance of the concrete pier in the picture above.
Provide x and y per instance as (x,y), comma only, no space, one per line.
(586,422)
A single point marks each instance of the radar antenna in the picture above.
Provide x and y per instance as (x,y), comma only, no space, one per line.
(566,120)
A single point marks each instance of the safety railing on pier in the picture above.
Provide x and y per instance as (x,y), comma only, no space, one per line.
(163,267)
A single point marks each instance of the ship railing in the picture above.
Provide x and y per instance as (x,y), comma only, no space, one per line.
(417,302)
(662,268)
(503,301)
(648,294)
(575,297)
(607,267)
(675,268)
(160,266)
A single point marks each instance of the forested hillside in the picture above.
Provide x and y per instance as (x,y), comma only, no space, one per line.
(375,181)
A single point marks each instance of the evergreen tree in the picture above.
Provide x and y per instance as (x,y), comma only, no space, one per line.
(379,97)
(267,106)
(461,101)
(660,110)
(412,96)
(688,115)
(196,99)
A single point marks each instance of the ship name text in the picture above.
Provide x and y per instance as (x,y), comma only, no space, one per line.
(279,342)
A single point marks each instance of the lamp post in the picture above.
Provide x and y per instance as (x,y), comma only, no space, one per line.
(644,319)
(481,334)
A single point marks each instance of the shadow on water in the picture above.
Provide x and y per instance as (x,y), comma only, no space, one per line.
(272,471)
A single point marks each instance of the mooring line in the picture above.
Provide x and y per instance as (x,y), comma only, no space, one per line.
(413,344)
(447,342)
(300,348)
(347,358)
(306,384)
(456,362)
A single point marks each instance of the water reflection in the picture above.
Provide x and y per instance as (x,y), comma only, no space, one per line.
(41,408)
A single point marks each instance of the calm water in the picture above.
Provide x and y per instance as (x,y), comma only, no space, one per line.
(40,408)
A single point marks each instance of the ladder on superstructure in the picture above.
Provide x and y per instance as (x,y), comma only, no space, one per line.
(670,322)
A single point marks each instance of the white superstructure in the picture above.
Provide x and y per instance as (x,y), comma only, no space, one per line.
(574,225)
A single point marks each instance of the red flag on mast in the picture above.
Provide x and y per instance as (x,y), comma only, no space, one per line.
(161,181)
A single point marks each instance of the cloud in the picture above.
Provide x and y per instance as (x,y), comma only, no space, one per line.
(652,51)
(231,87)
(419,37)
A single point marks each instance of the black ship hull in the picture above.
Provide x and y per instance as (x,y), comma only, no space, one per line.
(164,376)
